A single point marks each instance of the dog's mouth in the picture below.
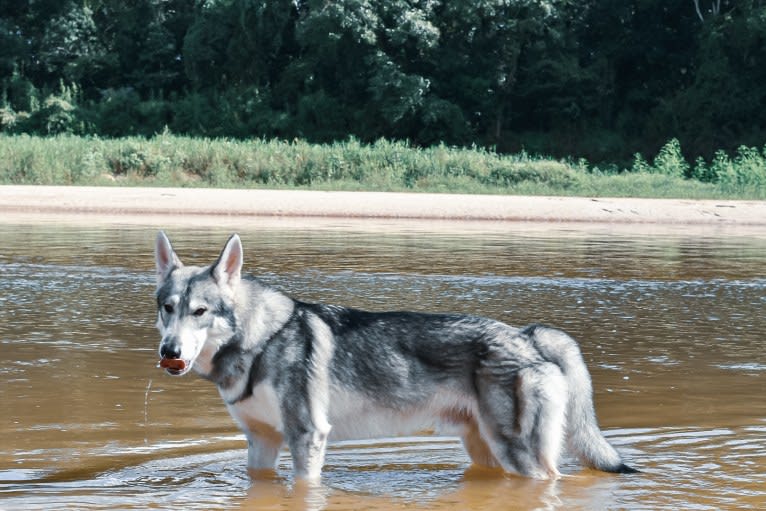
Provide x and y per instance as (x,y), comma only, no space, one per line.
(175,366)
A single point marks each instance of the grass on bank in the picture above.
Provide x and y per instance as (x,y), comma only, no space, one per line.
(169,160)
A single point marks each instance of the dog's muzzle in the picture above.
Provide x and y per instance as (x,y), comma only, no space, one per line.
(171,360)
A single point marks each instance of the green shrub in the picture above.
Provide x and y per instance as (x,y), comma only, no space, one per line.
(670,161)
(640,165)
(748,168)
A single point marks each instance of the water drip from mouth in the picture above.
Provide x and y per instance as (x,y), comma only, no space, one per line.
(146,411)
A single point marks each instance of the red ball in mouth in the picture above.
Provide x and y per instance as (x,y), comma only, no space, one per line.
(176,364)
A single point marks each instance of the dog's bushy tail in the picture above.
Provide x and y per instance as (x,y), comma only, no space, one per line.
(583,434)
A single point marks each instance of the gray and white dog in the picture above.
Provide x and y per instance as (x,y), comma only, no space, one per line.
(299,373)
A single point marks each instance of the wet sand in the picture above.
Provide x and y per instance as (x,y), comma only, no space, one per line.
(174,205)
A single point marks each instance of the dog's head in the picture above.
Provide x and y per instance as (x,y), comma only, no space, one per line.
(195,306)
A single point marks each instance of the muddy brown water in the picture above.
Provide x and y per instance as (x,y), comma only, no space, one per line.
(671,324)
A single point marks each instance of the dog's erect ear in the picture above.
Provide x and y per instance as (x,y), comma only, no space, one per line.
(165,257)
(228,268)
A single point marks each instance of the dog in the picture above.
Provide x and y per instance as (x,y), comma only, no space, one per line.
(301,374)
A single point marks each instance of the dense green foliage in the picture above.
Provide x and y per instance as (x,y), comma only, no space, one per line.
(601,80)
(170,160)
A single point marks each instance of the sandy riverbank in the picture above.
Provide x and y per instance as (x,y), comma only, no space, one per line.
(183,204)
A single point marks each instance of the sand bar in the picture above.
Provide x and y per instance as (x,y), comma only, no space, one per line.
(190,203)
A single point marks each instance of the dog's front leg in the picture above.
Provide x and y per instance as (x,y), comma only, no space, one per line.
(262,455)
(307,448)
(263,441)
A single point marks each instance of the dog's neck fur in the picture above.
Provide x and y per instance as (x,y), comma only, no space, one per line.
(259,313)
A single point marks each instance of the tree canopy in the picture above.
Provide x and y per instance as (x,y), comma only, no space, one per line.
(602,80)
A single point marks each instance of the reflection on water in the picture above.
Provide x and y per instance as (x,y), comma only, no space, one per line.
(671,325)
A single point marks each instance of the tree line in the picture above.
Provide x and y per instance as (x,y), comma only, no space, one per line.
(601,80)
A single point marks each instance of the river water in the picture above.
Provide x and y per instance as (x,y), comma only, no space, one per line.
(671,323)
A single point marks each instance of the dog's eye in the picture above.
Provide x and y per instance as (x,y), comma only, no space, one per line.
(200,311)
(168,308)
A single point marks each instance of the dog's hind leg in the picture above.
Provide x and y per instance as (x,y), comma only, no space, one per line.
(522,419)
(476,447)
(549,428)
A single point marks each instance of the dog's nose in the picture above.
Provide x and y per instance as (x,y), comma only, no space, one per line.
(170,350)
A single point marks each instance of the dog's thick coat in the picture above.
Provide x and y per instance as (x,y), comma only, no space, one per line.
(300,373)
